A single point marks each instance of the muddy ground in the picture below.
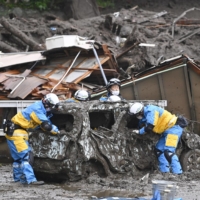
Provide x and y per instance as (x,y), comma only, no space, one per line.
(123,186)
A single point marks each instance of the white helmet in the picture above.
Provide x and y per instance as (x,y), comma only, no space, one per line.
(82,95)
(51,100)
(114,98)
(136,108)
(113,81)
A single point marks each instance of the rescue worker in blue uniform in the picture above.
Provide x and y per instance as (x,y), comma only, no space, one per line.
(162,122)
(113,89)
(31,117)
(80,95)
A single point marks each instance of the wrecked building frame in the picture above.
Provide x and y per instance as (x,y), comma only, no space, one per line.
(62,67)
(175,80)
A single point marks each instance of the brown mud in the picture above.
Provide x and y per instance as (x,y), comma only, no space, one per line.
(95,186)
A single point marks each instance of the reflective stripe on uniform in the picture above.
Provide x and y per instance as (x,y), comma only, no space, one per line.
(172,121)
(18,135)
(26,163)
(156,117)
(171,140)
(20,132)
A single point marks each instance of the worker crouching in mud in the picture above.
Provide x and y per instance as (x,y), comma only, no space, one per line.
(170,127)
(17,136)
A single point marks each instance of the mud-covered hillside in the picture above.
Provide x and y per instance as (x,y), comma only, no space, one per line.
(120,27)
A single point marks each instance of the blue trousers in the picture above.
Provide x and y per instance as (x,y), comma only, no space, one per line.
(22,170)
(163,145)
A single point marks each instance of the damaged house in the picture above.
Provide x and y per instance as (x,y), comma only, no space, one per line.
(61,68)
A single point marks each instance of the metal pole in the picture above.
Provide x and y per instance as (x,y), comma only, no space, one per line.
(99,63)
(66,71)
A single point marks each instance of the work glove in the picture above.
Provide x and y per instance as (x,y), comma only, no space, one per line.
(135,132)
(62,132)
(54,130)
(103,99)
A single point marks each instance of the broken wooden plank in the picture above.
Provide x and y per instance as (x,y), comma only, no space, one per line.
(188,21)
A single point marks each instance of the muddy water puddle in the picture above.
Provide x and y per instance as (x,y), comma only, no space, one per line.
(114,193)
(103,192)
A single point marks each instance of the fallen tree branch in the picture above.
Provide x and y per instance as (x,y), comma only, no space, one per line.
(17,41)
(7,48)
(34,45)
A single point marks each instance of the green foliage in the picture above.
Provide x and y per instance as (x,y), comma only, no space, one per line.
(105,3)
(33,4)
(48,4)
(41,4)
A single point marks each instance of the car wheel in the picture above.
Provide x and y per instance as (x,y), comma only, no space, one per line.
(190,160)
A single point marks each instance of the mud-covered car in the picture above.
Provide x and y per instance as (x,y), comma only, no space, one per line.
(96,138)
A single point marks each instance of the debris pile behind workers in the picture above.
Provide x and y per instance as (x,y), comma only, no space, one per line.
(137,39)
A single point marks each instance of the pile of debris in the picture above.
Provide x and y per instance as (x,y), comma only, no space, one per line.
(135,40)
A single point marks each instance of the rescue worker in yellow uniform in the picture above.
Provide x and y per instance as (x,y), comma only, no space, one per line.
(170,127)
(31,117)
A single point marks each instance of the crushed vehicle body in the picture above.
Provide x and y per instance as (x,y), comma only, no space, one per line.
(98,139)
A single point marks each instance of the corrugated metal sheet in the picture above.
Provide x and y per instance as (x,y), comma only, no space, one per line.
(3,76)
(29,84)
(56,72)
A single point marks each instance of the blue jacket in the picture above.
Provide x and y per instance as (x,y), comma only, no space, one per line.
(32,116)
(158,117)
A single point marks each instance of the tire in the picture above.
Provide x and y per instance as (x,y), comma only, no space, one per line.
(190,160)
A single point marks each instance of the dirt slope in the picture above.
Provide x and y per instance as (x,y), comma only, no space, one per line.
(130,27)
